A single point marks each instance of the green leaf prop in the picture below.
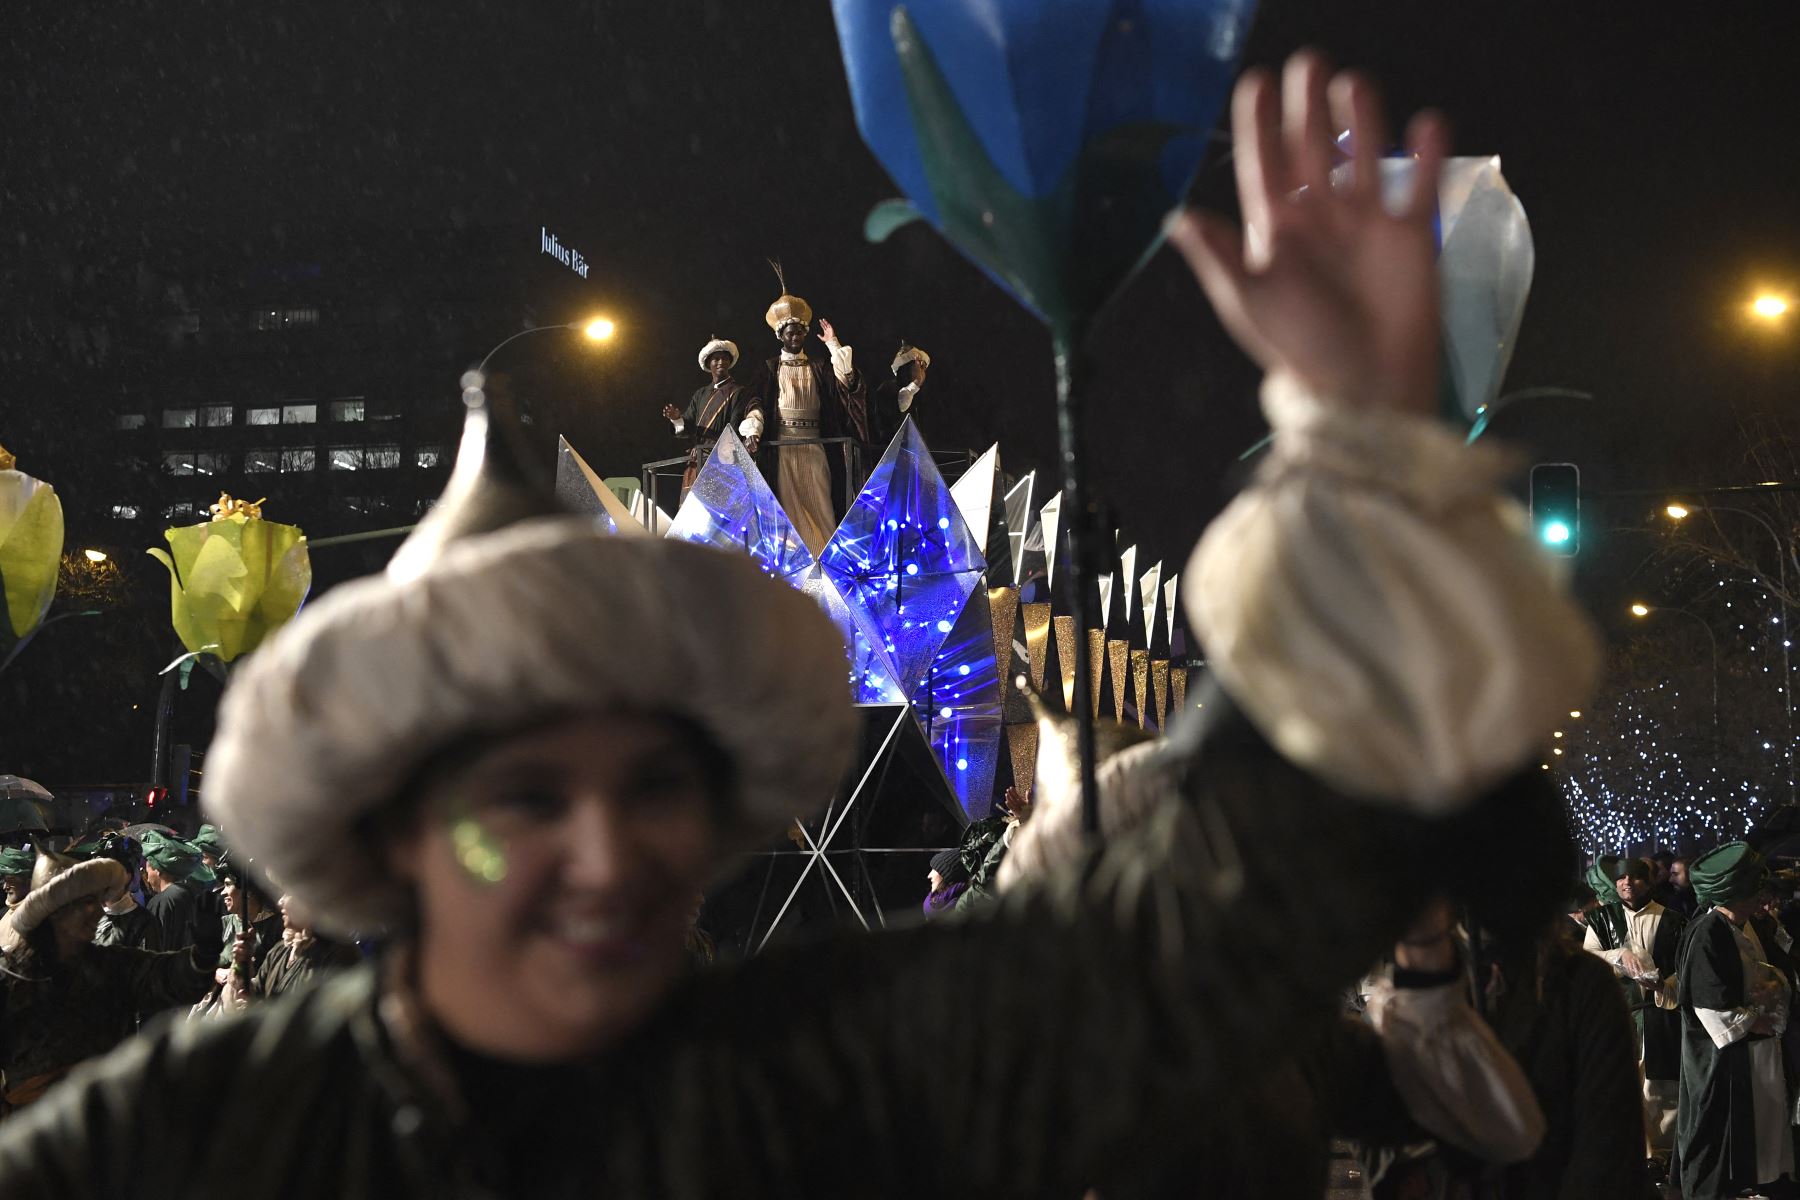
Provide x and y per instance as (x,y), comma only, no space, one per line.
(234,581)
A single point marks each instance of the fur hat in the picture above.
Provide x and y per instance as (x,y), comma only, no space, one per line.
(328,722)
(67,885)
(716,346)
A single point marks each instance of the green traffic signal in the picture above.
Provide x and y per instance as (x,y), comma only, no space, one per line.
(1556,506)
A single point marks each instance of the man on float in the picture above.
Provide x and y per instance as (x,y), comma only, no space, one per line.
(810,399)
(900,397)
(712,409)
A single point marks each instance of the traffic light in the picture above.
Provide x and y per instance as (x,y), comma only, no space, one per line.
(1556,506)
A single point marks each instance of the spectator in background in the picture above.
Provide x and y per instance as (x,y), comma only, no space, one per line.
(15,873)
(1733,1130)
(68,999)
(174,878)
(1680,894)
(947,880)
(1645,961)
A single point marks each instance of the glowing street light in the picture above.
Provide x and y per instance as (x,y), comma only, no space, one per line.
(1640,610)
(595,329)
(1677,512)
(1575,713)
(1769,307)
(599,329)
(95,556)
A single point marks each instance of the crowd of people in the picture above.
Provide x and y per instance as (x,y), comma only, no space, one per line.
(510,767)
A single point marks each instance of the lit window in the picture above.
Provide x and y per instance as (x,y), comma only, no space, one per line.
(381,458)
(181,508)
(214,415)
(299,460)
(347,410)
(262,416)
(345,458)
(261,462)
(130,421)
(427,456)
(125,512)
(178,462)
(211,462)
(179,418)
(299,414)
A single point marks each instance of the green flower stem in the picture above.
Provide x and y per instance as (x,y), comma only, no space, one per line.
(1083,565)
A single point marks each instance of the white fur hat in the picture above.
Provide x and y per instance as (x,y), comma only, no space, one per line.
(101,877)
(714,347)
(328,722)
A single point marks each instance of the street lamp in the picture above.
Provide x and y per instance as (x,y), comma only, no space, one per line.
(95,556)
(597,329)
(1783,551)
(1769,307)
(1641,610)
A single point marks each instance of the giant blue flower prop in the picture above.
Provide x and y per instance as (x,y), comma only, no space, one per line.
(1047,139)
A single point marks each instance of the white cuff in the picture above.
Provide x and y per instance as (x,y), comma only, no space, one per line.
(752,425)
(1726,1025)
(679,424)
(1456,1078)
(1376,607)
(843,364)
(906,397)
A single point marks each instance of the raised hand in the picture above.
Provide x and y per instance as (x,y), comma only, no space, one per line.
(670,412)
(827,334)
(1324,284)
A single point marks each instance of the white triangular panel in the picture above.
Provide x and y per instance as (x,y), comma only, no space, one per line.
(1128,572)
(974,492)
(1148,586)
(1106,591)
(1050,514)
(1019,515)
(1169,607)
(604,505)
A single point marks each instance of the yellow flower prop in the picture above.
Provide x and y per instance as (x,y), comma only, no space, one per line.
(235,579)
(31,543)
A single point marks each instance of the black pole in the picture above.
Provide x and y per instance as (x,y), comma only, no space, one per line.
(1081,569)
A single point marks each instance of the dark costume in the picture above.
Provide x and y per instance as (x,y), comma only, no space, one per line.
(710,411)
(83,1008)
(136,927)
(178,916)
(292,965)
(1122,999)
(1717,1127)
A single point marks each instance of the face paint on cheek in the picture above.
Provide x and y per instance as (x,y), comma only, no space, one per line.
(479,853)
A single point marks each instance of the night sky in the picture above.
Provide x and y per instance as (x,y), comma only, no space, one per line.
(680,145)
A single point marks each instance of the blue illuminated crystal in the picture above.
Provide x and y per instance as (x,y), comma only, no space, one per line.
(903,559)
(872,676)
(731,506)
(959,703)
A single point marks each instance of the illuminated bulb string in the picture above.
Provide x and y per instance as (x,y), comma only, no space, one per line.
(1644,767)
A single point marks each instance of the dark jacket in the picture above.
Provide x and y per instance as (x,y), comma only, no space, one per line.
(54,1020)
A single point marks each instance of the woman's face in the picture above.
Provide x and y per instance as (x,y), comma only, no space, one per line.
(555,876)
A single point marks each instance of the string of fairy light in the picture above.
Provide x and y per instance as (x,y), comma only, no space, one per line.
(1645,766)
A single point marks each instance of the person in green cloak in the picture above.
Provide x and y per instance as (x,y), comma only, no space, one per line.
(1733,1129)
(1644,956)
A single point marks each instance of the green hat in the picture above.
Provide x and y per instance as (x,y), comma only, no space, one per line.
(16,861)
(1732,872)
(1600,878)
(209,841)
(175,858)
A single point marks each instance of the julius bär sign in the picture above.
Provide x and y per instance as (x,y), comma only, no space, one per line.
(567,256)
